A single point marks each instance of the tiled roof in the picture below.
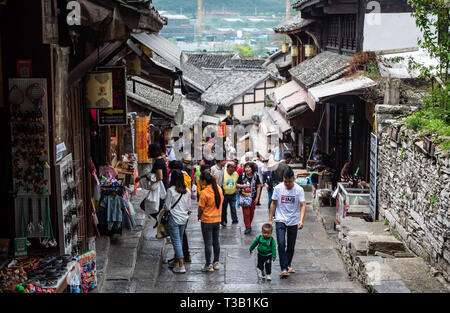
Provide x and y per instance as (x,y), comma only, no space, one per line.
(295,23)
(192,111)
(303,3)
(196,76)
(231,84)
(209,59)
(244,64)
(276,59)
(172,57)
(154,98)
(319,69)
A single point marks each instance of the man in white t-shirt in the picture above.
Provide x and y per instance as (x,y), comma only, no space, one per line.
(288,204)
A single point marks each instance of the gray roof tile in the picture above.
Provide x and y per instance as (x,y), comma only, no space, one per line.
(154,98)
(295,23)
(210,59)
(231,84)
(192,111)
(244,64)
(320,69)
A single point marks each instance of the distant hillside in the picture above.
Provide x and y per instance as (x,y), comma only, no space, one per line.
(243,7)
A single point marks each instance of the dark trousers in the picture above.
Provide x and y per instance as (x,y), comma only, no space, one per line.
(265,261)
(231,200)
(286,248)
(185,243)
(210,232)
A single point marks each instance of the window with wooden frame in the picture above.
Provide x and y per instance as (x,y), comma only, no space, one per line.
(341,33)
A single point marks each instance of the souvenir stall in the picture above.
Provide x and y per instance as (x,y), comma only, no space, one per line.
(33,266)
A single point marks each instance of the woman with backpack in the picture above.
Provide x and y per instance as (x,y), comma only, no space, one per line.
(178,203)
(210,215)
(250,189)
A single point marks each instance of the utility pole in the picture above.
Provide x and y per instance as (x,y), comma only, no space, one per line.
(288,9)
(200,19)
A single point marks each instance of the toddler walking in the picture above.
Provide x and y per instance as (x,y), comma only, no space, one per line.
(267,250)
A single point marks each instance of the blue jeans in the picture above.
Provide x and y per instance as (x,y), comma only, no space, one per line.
(237,199)
(176,236)
(229,199)
(286,253)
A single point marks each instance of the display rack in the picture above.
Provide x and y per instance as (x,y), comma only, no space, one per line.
(67,206)
(29,136)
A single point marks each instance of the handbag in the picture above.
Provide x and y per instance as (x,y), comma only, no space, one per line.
(165,217)
(245,200)
(156,193)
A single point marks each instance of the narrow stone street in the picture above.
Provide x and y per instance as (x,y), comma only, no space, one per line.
(316,261)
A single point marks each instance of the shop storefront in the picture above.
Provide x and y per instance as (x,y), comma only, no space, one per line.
(52,184)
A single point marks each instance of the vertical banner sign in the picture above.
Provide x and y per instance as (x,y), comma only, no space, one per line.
(117,115)
(222,130)
(142,137)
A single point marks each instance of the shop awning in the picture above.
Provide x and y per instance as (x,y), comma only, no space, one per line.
(289,103)
(267,127)
(286,90)
(160,46)
(343,86)
(279,120)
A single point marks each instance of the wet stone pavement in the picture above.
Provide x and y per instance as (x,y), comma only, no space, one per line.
(318,266)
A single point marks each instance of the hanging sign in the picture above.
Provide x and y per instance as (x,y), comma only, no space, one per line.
(142,138)
(99,90)
(222,132)
(24,67)
(117,115)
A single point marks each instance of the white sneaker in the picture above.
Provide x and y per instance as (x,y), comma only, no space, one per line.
(216,266)
(178,269)
(268,277)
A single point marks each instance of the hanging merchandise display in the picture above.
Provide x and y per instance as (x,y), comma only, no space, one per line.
(29,136)
(99,90)
(88,271)
(67,206)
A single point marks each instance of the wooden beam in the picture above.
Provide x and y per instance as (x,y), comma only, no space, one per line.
(360,25)
(341,9)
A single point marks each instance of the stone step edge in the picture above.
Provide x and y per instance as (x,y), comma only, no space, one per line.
(105,267)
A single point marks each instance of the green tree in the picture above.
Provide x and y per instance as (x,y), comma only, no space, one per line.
(245,50)
(432,18)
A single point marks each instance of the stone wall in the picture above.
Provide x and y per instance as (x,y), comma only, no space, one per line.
(413,189)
